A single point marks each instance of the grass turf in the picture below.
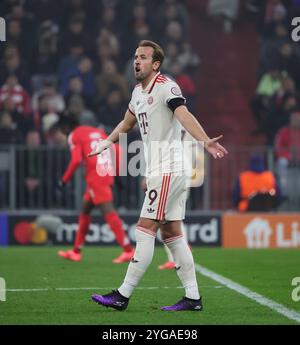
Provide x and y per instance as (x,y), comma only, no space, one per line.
(268,272)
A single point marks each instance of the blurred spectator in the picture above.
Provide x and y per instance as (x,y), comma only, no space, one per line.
(110,114)
(73,7)
(41,109)
(23,40)
(68,65)
(9,133)
(84,72)
(141,31)
(47,50)
(287,146)
(171,10)
(74,35)
(256,189)
(175,36)
(108,46)
(185,57)
(76,88)
(110,21)
(287,88)
(287,61)
(45,10)
(23,123)
(108,79)
(56,139)
(56,101)
(226,10)
(185,83)
(274,13)
(26,19)
(279,117)
(77,110)
(268,85)
(174,33)
(12,64)
(20,97)
(48,121)
(269,48)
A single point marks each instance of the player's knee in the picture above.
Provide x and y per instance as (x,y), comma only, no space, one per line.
(112,218)
(149,224)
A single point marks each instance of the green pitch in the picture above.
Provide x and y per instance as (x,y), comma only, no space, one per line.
(64,288)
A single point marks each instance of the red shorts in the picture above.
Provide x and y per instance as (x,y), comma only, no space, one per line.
(98,194)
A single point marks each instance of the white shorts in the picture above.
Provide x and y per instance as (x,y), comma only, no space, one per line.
(165,197)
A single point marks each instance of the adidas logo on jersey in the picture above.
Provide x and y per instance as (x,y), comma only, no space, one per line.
(150,210)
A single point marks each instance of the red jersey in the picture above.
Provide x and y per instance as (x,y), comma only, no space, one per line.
(82,141)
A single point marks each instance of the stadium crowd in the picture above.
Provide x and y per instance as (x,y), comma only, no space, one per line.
(74,57)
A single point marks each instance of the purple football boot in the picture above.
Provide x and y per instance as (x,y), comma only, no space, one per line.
(113,300)
(185,304)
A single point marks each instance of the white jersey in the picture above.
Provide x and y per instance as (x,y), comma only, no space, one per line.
(160,130)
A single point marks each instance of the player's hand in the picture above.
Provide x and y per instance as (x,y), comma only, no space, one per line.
(101,146)
(144,184)
(214,148)
(61,185)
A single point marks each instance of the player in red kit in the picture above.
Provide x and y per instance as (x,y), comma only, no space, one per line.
(99,180)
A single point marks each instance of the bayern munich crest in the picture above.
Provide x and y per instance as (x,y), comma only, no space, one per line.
(150,100)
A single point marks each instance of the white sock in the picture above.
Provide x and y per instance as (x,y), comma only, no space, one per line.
(183,231)
(168,252)
(184,265)
(145,240)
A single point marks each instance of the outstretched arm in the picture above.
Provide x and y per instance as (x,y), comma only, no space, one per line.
(190,123)
(123,127)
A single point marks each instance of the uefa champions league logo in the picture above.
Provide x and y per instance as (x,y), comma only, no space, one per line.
(2,290)
(2,30)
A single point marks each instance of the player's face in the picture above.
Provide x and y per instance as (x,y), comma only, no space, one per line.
(143,63)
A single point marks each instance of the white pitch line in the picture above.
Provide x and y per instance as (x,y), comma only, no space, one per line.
(103,288)
(279,308)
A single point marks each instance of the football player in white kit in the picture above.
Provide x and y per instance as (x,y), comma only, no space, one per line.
(158,107)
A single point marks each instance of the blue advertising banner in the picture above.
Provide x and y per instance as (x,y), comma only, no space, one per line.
(3,230)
